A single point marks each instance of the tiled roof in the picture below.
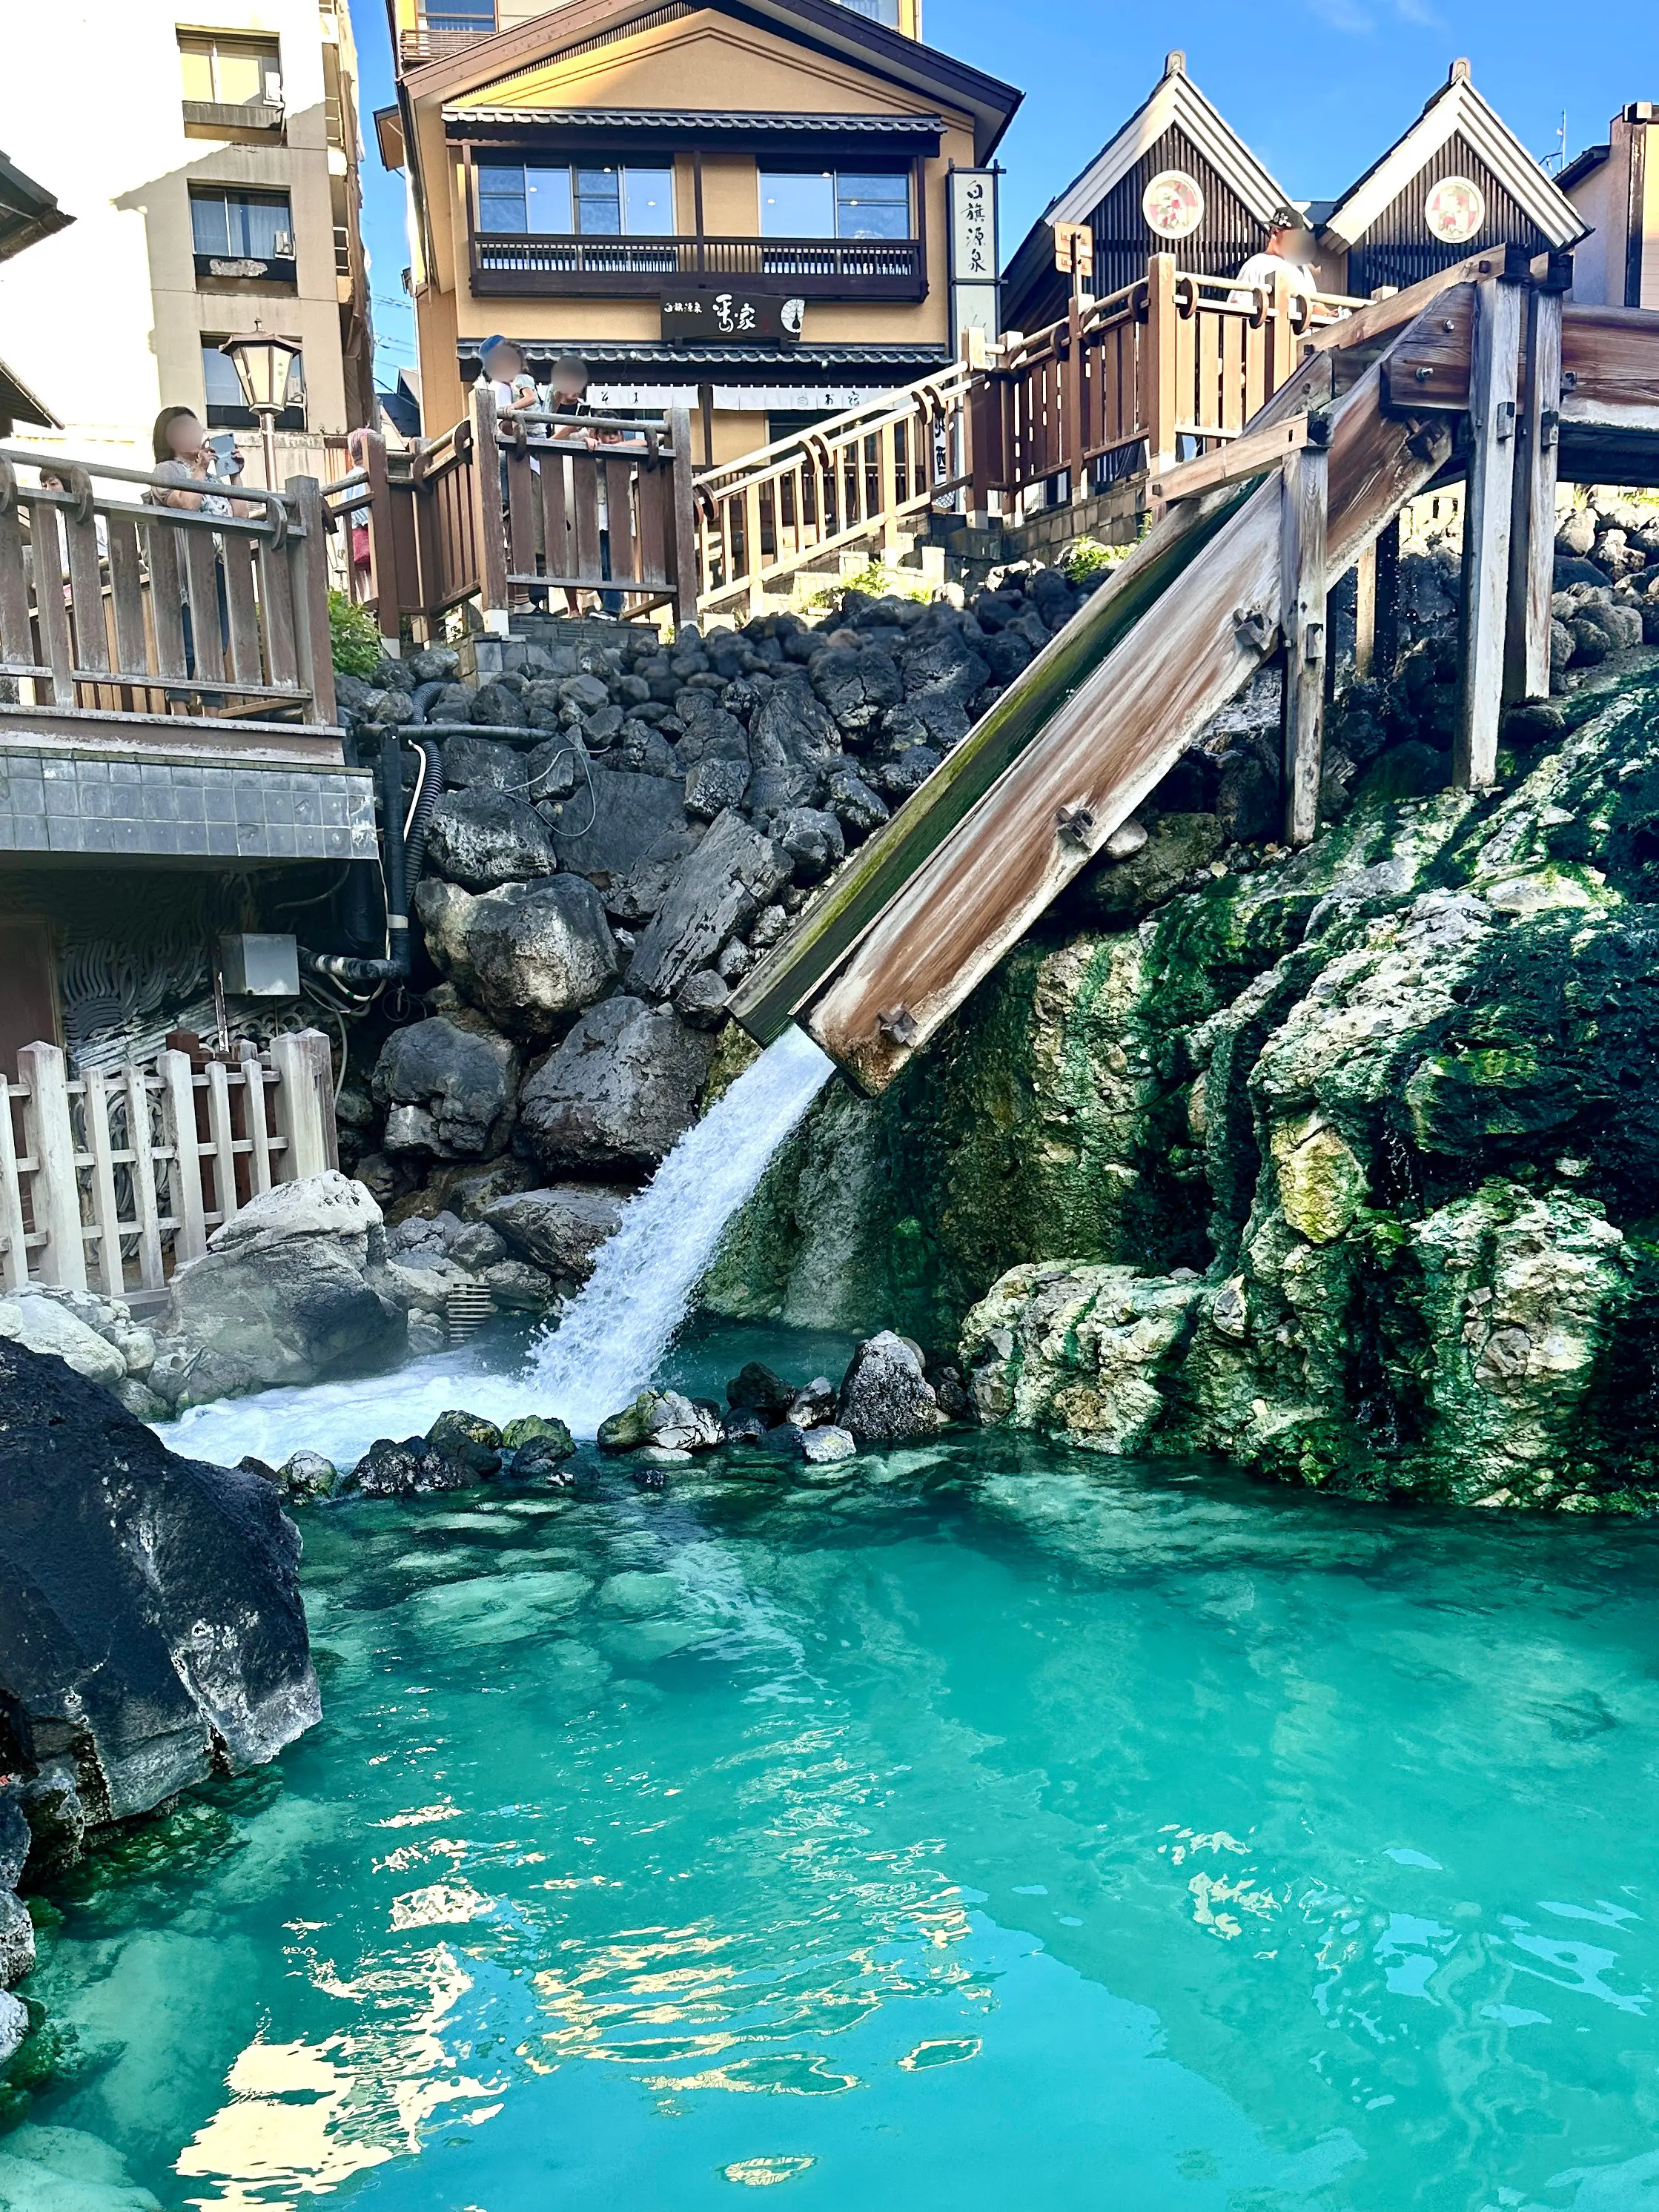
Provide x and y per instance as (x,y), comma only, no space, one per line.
(693,121)
(601,352)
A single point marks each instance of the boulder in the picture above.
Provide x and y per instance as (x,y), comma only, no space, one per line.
(617,819)
(713,784)
(482,839)
(536,1442)
(854,804)
(535,953)
(482,764)
(733,874)
(444,914)
(305,1475)
(817,1446)
(151,1628)
(619,1091)
(756,1387)
(45,1326)
(885,1396)
(291,1288)
(408,1469)
(470,1441)
(664,1421)
(1119,892)
(856,686)
(560,1229)
(813,840)
(450,1083)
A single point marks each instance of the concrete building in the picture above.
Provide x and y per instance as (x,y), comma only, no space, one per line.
(1615,188)
(211,167)
(597,177)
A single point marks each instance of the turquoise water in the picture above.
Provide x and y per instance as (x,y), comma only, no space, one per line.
(1001,1828)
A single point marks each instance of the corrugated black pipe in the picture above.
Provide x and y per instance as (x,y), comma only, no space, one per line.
(342,966)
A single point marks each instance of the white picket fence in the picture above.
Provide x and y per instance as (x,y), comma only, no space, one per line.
(109,1178)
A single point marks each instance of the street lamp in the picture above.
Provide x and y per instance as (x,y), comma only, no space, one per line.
(262,365)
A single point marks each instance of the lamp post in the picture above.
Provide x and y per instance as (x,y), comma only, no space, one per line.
(262,363)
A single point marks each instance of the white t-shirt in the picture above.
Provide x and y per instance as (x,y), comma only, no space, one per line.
(1262,268)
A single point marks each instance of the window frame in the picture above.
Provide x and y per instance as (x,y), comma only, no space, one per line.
(244,196)
(574,167)
(906,177)
(266,48)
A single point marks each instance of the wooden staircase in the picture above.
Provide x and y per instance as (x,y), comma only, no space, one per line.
(1478,374)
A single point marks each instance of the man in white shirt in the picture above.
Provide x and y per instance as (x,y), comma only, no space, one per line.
(1284,235)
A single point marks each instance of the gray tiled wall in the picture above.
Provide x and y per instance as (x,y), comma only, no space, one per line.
(79,802)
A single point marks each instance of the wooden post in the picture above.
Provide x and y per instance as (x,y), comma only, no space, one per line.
(1281,337)
(383,566)
(179,1105)
(48,1134)
(685,518)
(1488,501)
(1532,541)
(1302,618)
(221,1138)
(1365,612)
(145,1212)
(1160,395)
(97,1097)
(308,568)
(1387,640)
(14,1247)
(305,1103)
(1073,420)
(488,522)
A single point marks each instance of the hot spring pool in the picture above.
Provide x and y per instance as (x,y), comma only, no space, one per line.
(999,1829)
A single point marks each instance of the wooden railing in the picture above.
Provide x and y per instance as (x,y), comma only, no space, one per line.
(561,509)
(109,1178)
(857,269)
(852,482)
(108,602)
(1174,357)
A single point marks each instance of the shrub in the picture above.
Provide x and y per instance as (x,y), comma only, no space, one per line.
(354,636)
(1086,559)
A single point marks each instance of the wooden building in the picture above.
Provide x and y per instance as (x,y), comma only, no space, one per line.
(1457,182)
(1176,178)
(739,206)
(1615,188)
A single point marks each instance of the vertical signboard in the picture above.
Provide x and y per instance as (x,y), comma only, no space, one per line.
(974,293)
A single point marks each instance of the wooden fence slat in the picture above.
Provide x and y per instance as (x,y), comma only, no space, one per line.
(308,594)
(221,1140)
(305,1103)
(258,1123)
(86,595)
(185,1171)
(241,613)
(55,1194)
(167,598)
(684,530)
(46,546)
(202,590)
(96,1101)
(145,1210)
(126,591)
(555,517)
(654,479)
(277,607)
(585,487)
(13,1246)
(520,471)
(17,634)
(619,521)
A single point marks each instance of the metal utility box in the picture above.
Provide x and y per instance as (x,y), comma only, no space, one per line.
(258,967)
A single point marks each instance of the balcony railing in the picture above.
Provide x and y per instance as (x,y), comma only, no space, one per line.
(265,116)
(813,267)
(414,47)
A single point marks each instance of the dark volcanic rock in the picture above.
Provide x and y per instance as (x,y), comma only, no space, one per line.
(388,1469)
(619,1091)
(885,1396)
(450,1084)
(482,839)
(151,1631)
(628,819)
(539,952)
(560,1229)
(732,874)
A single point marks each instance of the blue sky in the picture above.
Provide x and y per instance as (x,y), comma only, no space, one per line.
(1317,88)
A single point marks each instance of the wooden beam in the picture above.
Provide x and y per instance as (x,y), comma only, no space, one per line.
(1430,367)
(1609,372)
(1532,538)
(1507,263)
(1304,490)
(1252,453)
(1493,383)
(1386,650)
(1103,751)
(1364,613)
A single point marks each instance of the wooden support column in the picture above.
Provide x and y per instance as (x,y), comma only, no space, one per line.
(1488,503)
(1159,391)
(1532,540)
(683,523)
(49,1132)
(1302,619)
(1386,637)
(489,517)
(1365,612)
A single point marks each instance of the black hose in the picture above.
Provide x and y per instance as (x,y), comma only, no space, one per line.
(431,792)
(421,698)
(343,967)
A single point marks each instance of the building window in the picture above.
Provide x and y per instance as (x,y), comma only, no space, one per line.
(878,11)
(243,226)
(835,203)
(517,200)
(225,407)
(476,17)
(232,71)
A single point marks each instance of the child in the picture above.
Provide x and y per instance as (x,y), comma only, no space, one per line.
(509,380)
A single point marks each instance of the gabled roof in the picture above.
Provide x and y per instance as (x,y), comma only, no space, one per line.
(693,123)
(1175,100)
(1456,109)
(823,26)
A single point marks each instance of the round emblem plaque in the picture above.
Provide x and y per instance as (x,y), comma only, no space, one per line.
(1454,211)
(1172,204)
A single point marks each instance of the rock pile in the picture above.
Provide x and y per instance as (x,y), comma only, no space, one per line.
(625,829)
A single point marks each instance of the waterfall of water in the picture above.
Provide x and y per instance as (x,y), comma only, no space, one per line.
(608,1345)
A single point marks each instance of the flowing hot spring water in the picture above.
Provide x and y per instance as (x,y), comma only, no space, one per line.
(973,1823)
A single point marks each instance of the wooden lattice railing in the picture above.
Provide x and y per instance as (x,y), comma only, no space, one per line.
(110,1177)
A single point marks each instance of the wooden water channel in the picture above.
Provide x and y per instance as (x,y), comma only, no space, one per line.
(1479,374)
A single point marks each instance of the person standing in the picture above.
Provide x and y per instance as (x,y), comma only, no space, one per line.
(1281,256)
(184,472)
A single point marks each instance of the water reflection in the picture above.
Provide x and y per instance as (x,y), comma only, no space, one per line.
(972,1831)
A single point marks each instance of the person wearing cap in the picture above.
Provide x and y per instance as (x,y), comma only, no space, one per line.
(508,376)
(1279,257)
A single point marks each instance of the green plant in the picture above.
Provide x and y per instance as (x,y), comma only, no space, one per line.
(1086,558)
(353,636)
(874,582)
